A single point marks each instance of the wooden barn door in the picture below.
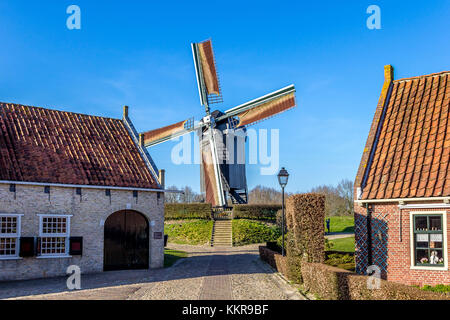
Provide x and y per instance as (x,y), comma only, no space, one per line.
(126,241)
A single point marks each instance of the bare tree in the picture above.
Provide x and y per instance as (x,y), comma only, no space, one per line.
(345,190)
(338,200)
(264,195)
(187,196)
(172,197)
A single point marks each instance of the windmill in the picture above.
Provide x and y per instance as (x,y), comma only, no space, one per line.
(222,172)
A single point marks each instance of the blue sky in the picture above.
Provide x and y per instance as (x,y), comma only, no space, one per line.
(137,53)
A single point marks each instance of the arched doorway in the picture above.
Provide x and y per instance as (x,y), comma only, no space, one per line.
(126,241)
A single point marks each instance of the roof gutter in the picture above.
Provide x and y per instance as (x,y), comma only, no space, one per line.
(403,200)
(26,183)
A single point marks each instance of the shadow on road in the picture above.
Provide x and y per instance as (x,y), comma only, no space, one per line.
(196,266)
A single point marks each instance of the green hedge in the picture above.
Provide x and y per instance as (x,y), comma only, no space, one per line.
(256,211)
(332,283)
(274,259)
(175,211)
(248,232)
(305,214)
(437,288)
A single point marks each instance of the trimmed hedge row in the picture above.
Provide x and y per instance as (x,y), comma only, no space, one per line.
(274,259)
(203,211)
(305,214)
(175,211)
(256,211)
(331,283)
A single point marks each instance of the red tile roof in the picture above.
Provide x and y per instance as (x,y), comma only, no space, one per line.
(49,146)
(410,156)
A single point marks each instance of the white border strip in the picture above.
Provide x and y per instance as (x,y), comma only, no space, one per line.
(85,186)
(425,206)
(403,200)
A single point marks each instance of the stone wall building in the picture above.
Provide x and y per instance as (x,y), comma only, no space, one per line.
(75,190)
(402,188)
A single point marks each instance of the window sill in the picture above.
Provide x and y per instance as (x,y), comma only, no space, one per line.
(10,258)
(53,257)
(443,268)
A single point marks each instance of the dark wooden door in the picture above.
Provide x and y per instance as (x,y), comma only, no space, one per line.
(126,241)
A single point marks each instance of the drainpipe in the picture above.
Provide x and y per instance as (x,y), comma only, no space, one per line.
(369,235)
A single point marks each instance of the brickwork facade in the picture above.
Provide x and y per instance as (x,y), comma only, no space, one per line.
(396,243)
(89,212)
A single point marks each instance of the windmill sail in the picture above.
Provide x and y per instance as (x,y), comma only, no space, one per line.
(263,108)
(207,78)
(209,67)
(209,183)
(163,134)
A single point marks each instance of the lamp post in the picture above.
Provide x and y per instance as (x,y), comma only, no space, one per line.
(283,177)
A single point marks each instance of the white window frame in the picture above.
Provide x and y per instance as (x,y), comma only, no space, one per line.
(55,235)
(16,235)
(444,235)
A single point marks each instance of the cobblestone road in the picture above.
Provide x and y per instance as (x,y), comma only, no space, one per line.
(207,274)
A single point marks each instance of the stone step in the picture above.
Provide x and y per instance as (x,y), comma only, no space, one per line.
(222,233)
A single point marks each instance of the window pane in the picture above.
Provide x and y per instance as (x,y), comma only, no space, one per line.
(436,223)
(8,225)
(421,223)
(422,256)
(52,245)
(421,240)
(436,257)
(54,225)
(436,240)
(8,246)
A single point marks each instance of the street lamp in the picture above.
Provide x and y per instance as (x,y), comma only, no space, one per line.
(283,177)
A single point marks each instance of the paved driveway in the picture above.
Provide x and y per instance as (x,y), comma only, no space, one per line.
(207,274)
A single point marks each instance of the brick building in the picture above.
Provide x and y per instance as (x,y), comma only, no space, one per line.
(75,190)
(402,188)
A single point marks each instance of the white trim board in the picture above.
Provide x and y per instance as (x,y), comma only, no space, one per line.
(40,184)
(444,199)
(425,206)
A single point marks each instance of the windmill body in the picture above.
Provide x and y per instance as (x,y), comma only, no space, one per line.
(222,134)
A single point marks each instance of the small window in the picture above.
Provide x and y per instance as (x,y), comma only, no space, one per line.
(428,240)
(9,235)
(54,232)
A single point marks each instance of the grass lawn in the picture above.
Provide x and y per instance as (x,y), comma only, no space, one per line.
(170,256)
(193,232)
(343,244)
(342,261)
(341,224)
(438,288)
(250,231)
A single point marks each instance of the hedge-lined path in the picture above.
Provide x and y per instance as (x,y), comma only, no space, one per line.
(208,273)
